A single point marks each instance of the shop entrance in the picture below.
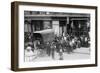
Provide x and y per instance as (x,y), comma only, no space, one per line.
(62,26)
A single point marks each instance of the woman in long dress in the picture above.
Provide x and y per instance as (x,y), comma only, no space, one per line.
(28,53)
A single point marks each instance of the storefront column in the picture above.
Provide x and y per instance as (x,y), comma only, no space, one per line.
(67,23)
(55,26)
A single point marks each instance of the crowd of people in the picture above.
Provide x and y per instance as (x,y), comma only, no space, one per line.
(62,44)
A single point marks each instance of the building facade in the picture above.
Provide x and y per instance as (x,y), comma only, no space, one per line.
(61,23)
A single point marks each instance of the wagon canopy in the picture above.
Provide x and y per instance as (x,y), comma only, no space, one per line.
(46,35)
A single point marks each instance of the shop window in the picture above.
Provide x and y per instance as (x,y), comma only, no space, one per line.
(47,25)
(27,26)
(37,24)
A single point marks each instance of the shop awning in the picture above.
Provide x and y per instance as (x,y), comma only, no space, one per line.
(46,35)
(80,19)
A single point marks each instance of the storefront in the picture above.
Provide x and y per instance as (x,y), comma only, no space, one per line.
(60,23)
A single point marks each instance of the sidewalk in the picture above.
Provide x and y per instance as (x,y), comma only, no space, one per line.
(79,53)
(82,50)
